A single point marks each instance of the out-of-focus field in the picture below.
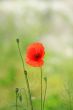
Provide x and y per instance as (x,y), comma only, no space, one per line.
(49,22)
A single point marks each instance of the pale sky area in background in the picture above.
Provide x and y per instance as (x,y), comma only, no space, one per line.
(41,5)
(58,44)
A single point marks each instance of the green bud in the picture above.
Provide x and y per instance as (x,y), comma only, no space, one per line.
(17,90)
(45,78)
(17,40)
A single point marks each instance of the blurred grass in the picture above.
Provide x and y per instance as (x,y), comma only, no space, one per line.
(57,68)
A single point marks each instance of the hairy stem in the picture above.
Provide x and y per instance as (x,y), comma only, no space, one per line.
(16,98)
(25,95)
(16,103)
(45,93)
(67,89)
(41,89)
(29,93)
(26,77)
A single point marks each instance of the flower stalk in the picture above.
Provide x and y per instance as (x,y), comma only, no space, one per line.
(41,90)
(17,90)
(45,79)
(25,96)
(26,77)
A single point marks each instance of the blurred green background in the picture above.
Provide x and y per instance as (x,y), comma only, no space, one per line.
(46,21)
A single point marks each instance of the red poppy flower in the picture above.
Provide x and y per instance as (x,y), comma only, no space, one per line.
(34,54)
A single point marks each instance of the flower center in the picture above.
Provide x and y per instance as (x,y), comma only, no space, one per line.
(37,56)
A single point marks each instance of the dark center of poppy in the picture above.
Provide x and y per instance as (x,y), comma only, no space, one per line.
(37,56)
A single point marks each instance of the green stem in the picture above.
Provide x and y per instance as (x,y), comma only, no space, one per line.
(16,98)
(26,78)
(29,93)
(16,103)
(41,90)
(21,56)
(69,95)
(45,93)
(25,96)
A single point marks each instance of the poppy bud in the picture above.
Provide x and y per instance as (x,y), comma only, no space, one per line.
(45,78)
(25,72)
(17,89)
(17,40)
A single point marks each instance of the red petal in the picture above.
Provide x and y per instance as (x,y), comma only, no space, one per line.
(34,63)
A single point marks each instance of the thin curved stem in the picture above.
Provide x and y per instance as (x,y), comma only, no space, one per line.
(45,94)
(16,103)
(41,90)
(26,78)
(29,93)
(69,95)
(25,95)
(16,98)
(21,56)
